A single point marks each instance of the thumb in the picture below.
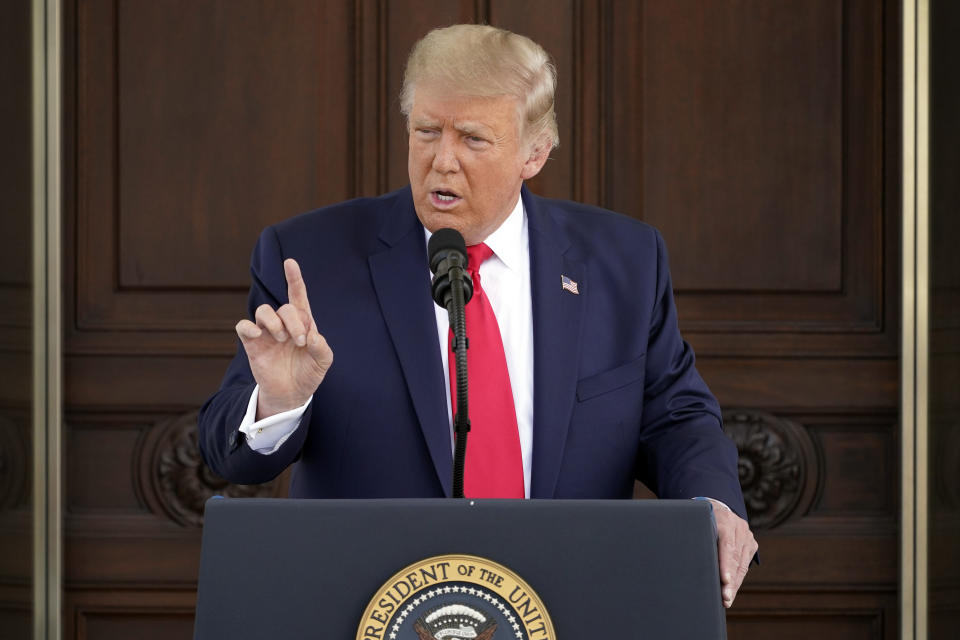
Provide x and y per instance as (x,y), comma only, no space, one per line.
(318,348)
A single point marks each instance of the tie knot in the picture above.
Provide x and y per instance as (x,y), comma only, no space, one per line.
(476,255)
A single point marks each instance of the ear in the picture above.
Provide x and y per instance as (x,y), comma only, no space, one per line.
(539,152)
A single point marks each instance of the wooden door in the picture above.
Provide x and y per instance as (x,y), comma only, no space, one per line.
(16,320)
(761,137)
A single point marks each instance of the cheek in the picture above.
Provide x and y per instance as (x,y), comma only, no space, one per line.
(417,163)
(502,179)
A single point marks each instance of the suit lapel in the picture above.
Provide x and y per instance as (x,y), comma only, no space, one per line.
(401,280)
(557,318)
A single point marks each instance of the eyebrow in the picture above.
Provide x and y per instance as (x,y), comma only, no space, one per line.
(466,127)
(426,122)
(473,128)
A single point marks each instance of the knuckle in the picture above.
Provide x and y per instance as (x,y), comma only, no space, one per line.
(267,317)
(290,313)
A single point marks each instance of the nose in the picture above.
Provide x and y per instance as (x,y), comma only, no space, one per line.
(445,159)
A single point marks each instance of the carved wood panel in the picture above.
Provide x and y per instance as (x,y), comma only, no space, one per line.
(762,138)
(124,614)
(763,129)
(192,134)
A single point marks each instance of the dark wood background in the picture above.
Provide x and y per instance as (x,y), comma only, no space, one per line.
(944,406)
(16,310)
(762,138)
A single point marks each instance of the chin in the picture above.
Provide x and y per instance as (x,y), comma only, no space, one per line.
(435,220)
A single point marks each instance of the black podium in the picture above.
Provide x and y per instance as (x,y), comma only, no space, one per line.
(395,570)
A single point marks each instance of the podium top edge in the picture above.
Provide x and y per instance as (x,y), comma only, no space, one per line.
(218,502)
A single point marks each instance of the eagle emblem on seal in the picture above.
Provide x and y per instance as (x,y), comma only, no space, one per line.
(455,622)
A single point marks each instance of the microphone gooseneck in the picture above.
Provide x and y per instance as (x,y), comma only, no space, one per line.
(452,288)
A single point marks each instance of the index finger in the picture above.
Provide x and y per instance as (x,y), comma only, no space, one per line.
(296,287)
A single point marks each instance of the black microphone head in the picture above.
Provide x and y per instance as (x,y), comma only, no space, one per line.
(448,259)
(442,242)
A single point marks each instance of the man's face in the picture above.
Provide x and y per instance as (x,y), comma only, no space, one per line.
(466,161)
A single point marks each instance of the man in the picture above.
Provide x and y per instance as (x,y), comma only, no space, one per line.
(584,383)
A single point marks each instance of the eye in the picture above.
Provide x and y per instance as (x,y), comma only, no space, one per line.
(426,133)
(476,141)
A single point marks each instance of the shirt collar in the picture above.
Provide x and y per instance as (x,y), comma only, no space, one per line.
(508,241)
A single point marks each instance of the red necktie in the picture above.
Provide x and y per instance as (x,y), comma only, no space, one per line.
(494,467)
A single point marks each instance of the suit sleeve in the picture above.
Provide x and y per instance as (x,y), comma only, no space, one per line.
(222,445)
(684,452)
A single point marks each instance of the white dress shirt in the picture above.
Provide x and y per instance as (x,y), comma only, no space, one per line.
(505,278)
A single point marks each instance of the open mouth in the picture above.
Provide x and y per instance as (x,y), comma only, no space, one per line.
(442,197)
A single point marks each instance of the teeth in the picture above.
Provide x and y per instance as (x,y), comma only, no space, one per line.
(443,198)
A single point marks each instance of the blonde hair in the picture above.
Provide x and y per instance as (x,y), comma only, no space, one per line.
(484,61)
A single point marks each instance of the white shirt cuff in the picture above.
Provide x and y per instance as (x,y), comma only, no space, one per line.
(267,435)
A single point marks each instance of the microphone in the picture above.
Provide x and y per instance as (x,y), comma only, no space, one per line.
(452,288)
(448,262)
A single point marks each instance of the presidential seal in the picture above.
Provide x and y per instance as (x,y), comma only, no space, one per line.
(455,597)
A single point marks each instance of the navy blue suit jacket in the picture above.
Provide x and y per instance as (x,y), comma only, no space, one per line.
(616,393)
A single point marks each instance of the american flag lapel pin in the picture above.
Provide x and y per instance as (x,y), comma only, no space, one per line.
(569,285)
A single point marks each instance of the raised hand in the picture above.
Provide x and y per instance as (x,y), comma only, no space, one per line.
(288,356)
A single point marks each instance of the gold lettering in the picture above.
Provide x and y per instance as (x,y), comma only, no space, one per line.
(526,607)
(527,610)
(491,577)
(387,605)
(443,568)
(402,589)
(429,575)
